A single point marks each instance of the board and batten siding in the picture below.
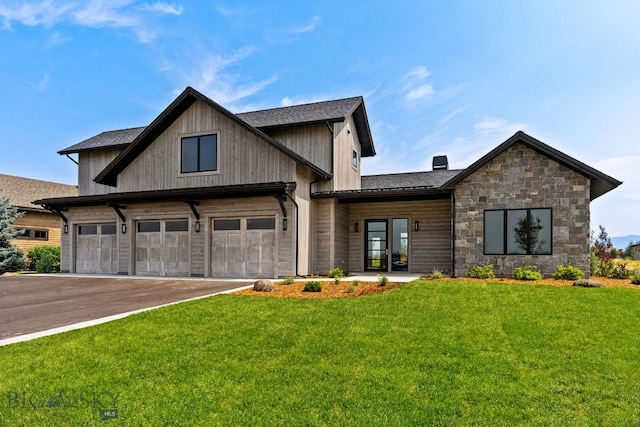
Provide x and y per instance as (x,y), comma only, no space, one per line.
(331,235)
(90,164)
(313,142)
(429,248)
(345,176)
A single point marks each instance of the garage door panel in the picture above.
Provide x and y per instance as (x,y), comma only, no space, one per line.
(161,252)
(95,253)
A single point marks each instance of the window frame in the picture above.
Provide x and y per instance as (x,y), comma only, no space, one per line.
(30,234)
(355,159)
(199,170)
(506,234)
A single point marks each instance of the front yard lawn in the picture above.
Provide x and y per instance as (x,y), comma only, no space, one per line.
(427,353)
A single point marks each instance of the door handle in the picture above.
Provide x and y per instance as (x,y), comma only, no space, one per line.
(386,251)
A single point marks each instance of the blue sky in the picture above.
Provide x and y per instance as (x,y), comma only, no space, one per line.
(454,77)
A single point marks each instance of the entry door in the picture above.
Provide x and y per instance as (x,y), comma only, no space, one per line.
(377,254)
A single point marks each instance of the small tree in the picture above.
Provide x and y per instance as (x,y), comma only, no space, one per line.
(11,258)
(602,254)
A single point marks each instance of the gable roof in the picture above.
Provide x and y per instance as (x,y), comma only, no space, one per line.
(433,179)
(264,120)
(22,191)
(600,182)
(109,176)
(313,113)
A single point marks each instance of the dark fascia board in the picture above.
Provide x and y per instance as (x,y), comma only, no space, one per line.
(202,193)
(600,182)
(109,176)
(384,194)
(86,150)
(364,131)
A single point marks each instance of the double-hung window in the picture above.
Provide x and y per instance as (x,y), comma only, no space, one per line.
(199,154)
(518,232)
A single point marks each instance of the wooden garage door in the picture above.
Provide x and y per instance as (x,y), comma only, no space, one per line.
(96,249)
(243,247)
(162,248)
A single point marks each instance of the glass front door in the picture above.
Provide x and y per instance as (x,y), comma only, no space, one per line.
(400,244)
(377,253)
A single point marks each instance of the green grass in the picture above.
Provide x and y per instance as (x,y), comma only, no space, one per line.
(428,353)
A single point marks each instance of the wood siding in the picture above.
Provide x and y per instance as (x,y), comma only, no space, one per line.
(346,177)
(38,221)
(313,142)
(331,235)
(90,164)
(243,157)
(429,248)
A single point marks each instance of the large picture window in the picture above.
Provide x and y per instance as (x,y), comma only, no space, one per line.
(199,154)
(518,232)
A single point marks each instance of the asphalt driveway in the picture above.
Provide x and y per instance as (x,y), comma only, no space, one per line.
(34,303)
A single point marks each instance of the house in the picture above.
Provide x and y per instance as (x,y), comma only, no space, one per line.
(204,192)
(37,226)
(635,251)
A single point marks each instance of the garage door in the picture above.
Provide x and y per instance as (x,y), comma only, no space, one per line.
(162,248)
(243,247)
(96,249)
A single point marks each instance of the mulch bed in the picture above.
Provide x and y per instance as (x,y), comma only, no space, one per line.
(329,290)
(341,290)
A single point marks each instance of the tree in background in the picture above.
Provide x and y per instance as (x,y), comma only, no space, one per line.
(11,258)
(628,252)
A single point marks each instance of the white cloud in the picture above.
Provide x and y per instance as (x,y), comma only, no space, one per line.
(94,13)
(415,87)
(494,127)
(288,101)
(44,83)
(311,26)
(211,79)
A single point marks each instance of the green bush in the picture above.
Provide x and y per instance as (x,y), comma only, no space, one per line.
(351,289)
(355,282)
(11,259)
(527,272)
(635,277)
(336,273)
(436,274)
(288,280)
(313,286)
(383,280)
(481,272)
(337,280)
(620,271)
(49,265)
(568,272)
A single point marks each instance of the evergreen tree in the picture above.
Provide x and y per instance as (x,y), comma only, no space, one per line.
(11,258)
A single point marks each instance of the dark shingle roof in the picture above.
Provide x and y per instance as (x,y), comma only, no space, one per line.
(22,191)
(317,112)
(111,139)
(433,179)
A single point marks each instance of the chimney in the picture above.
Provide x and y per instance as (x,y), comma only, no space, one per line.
(440,163)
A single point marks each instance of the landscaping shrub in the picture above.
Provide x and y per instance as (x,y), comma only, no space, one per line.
(620,271)
(568,272)
(481,272)
(635,277)
(288,280)
(436,274)
(11,259)
(336,273)
(51,264)
(337,280)
(355,282)
(527,272)
(383,280)
(351,289)
(313,286)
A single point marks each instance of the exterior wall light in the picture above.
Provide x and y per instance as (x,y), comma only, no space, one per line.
(284,224)
(124,228)
(356,227)
(197,226)
(66,228)
(416,226)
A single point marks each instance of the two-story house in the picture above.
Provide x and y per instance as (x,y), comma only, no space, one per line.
(204,192)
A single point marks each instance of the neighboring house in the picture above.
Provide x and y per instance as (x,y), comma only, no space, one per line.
(203,192)
(37,225)
(635,250)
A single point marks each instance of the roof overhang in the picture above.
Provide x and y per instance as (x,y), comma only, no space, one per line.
(204,193)
(377,195)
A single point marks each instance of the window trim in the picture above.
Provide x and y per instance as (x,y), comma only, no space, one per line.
(355,156)
(28,233)
(198,135)
(505,229)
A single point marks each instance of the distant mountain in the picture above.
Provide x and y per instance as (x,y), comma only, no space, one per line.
(623,242)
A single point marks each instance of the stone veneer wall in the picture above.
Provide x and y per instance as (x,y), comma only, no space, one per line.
(521,178)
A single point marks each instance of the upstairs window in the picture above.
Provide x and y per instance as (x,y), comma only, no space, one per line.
(199,154)
(354,159)
(517,232)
